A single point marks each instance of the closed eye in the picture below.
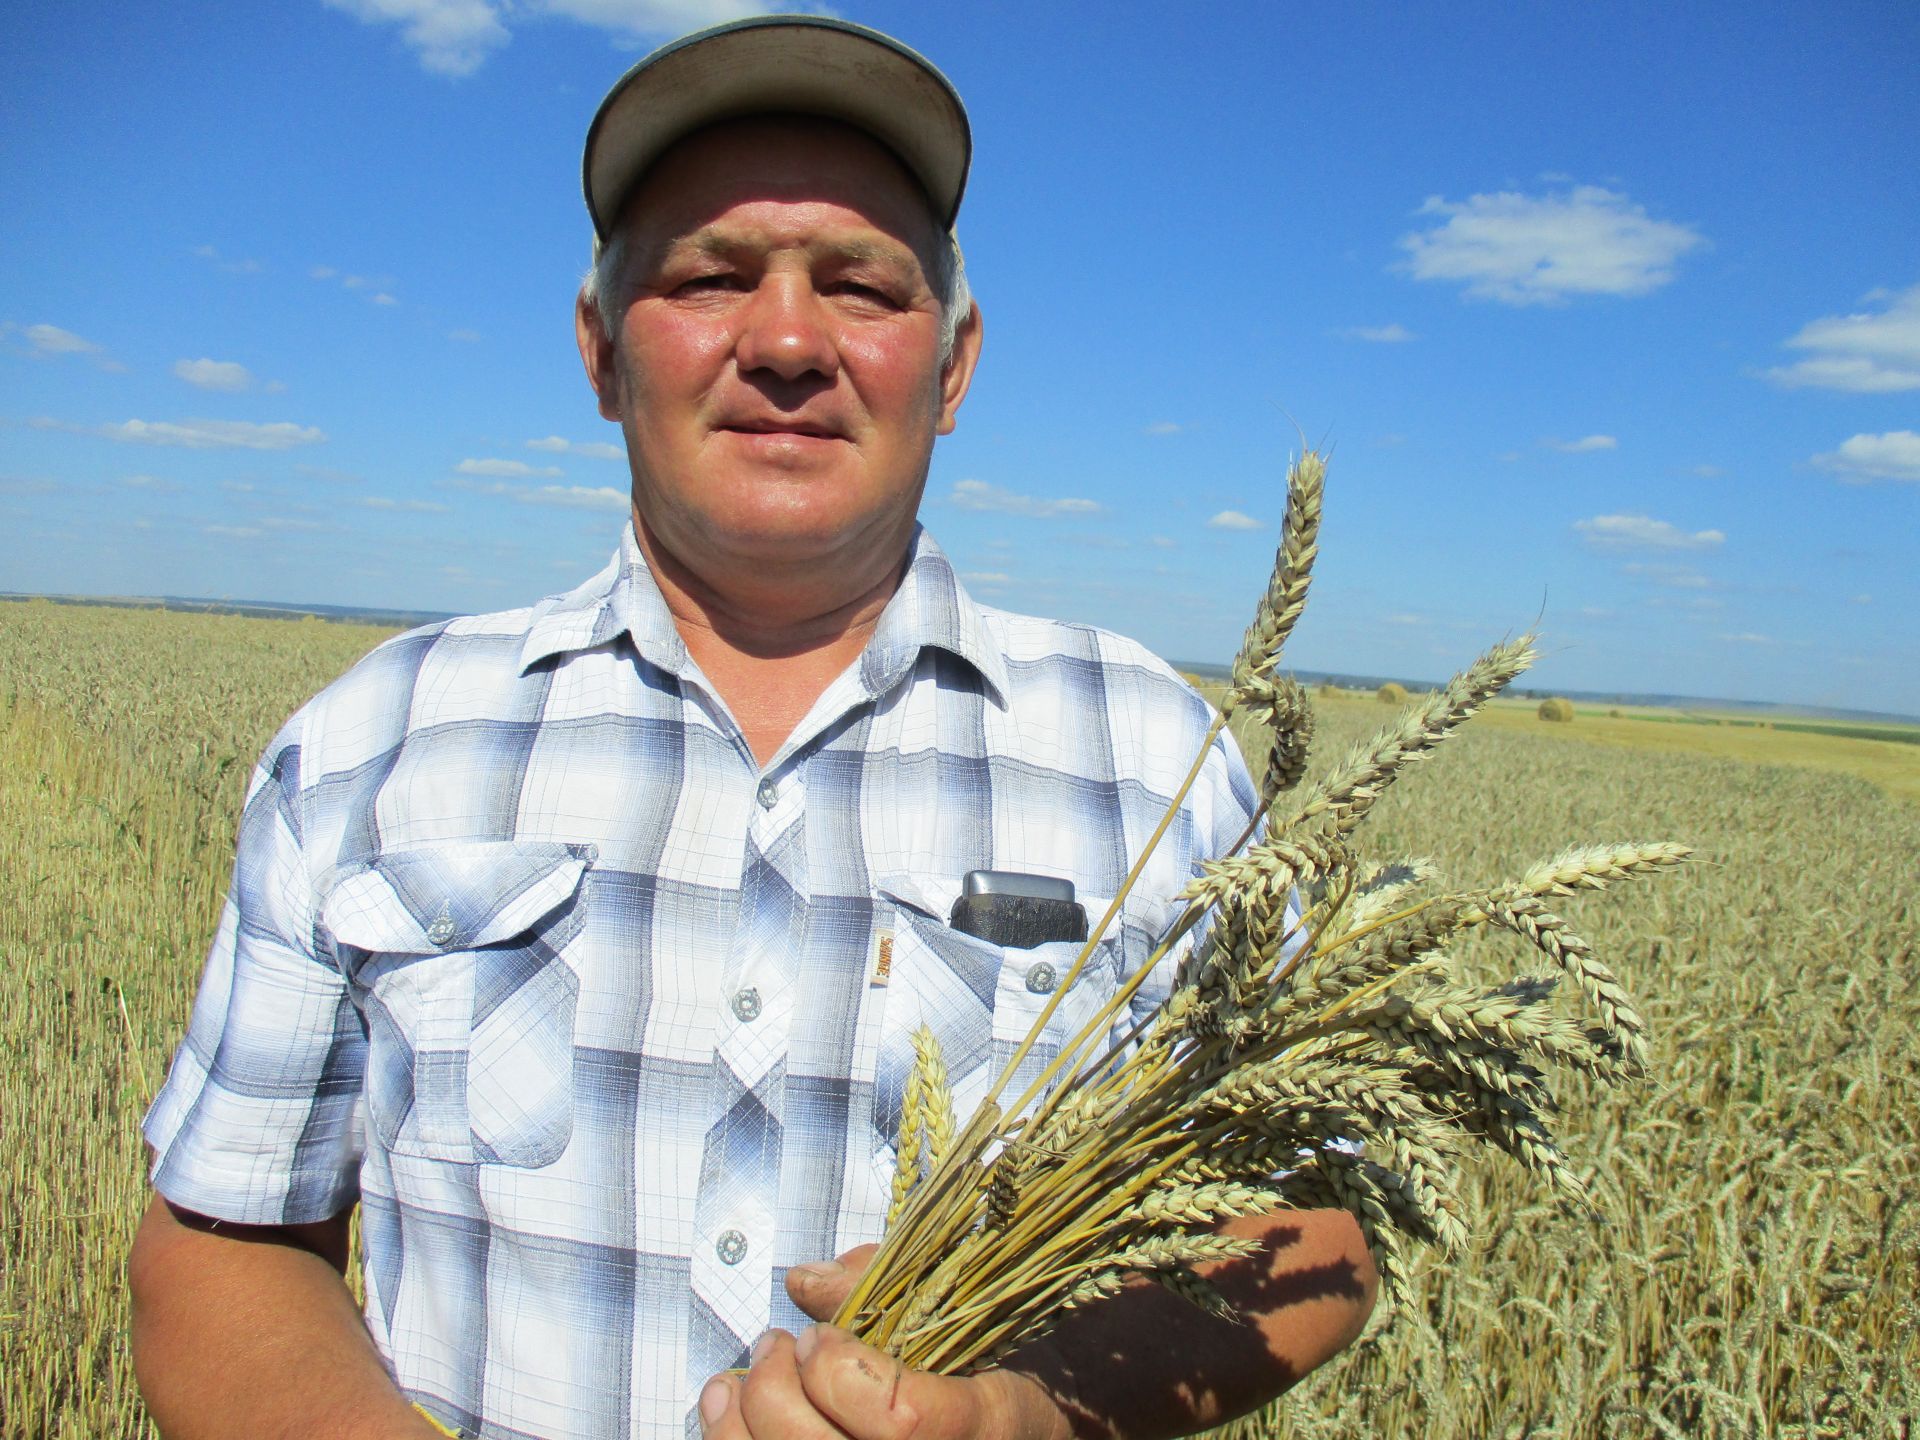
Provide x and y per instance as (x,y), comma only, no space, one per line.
(719,280)
(859,291)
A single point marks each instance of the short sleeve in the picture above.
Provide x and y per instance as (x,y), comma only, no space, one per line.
(259,1121)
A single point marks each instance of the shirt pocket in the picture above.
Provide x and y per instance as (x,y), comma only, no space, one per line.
(980,1000)
(458,953)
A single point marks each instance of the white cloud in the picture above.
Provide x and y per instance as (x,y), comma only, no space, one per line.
(336,477)
(1586,444)
(1641,532)
(418,507)
(1675,577)
(1748,637)
(1235,520)
(247,266)
(1163,542)
(1873,353)
(1689,604)
(1707,472)
(1863,599)
(1394,334)
(1163,427)
(452,37)
(979,495)
(224,375)
(1408,618)
(1542,249)
(986,577)
(197,434)
(233,532)
(455,37)
(359,284)
(593,449)
(568,497)
(1892,456)
(464,337)
(654,17)
(577,497)
(506,469)
(50,342)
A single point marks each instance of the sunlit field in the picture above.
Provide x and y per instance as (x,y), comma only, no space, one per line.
(1752,1267)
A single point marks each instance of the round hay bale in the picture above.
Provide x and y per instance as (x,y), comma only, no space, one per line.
(1392,693)
(1556,709)
(1328,691)
(1616,715)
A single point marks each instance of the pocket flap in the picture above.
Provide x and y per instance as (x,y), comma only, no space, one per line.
(450,897)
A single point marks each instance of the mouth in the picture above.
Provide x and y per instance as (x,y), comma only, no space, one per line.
(783,428)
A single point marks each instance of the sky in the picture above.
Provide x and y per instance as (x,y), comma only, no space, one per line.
(1608,315)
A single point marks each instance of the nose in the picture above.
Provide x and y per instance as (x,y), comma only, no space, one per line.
(785,329)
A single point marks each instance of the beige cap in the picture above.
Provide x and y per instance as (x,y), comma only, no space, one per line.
(800,64)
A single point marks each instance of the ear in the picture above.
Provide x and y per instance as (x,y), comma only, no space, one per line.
(959,371)
(597,353)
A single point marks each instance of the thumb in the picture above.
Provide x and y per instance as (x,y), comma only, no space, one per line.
(820,1287)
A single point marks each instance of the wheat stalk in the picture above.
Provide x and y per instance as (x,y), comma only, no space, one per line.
(1321,1046)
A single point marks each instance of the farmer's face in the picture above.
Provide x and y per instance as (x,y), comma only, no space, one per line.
(776,360)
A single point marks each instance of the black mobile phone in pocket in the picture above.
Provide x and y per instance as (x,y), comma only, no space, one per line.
(1017,910)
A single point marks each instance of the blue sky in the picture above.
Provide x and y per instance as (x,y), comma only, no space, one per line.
(1610,314)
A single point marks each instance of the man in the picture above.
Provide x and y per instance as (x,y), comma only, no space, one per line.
(582,945)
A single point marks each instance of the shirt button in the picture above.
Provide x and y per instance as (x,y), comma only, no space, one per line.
(768,794)
(746,1005)
(1041,979)
(731,1247)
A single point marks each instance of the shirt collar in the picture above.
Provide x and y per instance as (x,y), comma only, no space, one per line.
(622,598)
(931,608)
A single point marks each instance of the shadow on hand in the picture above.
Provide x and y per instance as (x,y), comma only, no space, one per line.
(1145,1362)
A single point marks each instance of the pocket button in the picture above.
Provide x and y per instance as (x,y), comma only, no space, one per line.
(746,1005)
(1041,978)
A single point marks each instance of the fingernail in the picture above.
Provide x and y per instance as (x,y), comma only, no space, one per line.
(804,1346)
(713,1402)
(763,1345)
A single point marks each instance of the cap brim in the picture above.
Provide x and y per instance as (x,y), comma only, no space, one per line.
(799,64)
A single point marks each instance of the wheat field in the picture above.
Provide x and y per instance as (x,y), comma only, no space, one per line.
(1752,1269)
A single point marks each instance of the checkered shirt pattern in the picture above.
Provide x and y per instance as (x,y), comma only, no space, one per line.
(605,1024)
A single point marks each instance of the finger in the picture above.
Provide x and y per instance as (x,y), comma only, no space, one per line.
(821,1287)
(720,1409)
(774,1405)
(871,1396)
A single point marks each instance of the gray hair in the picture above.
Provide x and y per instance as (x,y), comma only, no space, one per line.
(600,287)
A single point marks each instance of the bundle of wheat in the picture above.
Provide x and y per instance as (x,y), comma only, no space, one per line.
(1318,1003)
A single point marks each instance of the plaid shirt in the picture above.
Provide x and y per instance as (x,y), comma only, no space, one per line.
(604,1023)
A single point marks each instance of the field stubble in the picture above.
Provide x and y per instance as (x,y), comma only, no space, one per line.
(1752,1270)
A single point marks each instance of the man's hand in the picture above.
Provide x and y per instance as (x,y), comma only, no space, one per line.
(1142,1364)
(824,1384)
